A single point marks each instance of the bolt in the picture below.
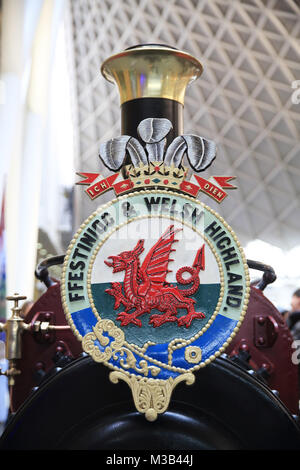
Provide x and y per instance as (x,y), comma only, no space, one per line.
(261,320)
(44,326)
(47,316)
(261,340)
(244,347)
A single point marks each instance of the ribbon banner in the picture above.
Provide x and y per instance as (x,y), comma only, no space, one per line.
(98,188)
(214,187)
(213,190)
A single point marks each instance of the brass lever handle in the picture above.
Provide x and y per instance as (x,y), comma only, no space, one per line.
(16,298)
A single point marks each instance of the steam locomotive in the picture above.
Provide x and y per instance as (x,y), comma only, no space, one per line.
(61,398)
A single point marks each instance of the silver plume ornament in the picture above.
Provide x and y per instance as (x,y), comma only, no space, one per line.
(200,152)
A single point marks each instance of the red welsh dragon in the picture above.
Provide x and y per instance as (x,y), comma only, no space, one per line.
(145,286)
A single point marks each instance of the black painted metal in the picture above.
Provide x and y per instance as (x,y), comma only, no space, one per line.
(41,272)
(79,408)
(269,275)
(151,44)
(134,111)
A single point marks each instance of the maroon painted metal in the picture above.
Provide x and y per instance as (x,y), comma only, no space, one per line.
(266,342)
(42,352)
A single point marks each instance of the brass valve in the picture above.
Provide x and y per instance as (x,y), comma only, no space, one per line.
(13,328)
(11,372)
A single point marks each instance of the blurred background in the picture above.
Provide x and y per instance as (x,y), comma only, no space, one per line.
(56,108)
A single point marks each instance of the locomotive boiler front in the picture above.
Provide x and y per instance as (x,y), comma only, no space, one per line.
(63,398)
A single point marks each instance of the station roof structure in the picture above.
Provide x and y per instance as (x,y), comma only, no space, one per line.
(247,99)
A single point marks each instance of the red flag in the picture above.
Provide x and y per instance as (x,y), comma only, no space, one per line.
(89,178)
(223,181)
